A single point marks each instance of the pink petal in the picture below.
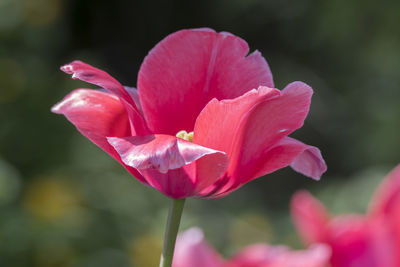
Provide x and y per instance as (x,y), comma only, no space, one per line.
(355,240)
(249,126)
(262,255)
(308,162)
(192,250)
(219,122)
(387,197)
(90,74)
(317,255)
(351,240)
(385,207)
(257,255)
(175,167)
(386,243)
(183,72)
(135,97)
(96,115)
(301,157)
(310,217)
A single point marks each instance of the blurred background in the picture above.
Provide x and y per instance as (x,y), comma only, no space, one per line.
(64,202)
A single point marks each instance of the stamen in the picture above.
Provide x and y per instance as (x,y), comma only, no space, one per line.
(185,135)
(190,136)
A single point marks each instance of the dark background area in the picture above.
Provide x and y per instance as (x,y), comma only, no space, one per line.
(64,202)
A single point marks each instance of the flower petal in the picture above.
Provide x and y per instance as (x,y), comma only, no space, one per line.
(352,241)
(192,250)
(218,123)
(135,97)
(310,217)
(257,255)
(317,255)
(174,166)
(183,72)
(309,162)
(90,74)
(355,240)
(385,207)
(161,152)
(97,114)
(387,197)
(263,255)
(303,158)
(247,127)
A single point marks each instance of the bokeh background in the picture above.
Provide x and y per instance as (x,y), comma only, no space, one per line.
(64,202)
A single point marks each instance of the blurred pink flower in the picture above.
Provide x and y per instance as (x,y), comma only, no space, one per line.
(371,240)
(196,126)
(192,250)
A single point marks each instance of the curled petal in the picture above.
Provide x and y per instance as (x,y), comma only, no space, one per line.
(174,166)
(301,157)
(309,162)
(90,74)
(248,127)
(209,65)
(192,250)
(97,114)
(161,152)
(310,217)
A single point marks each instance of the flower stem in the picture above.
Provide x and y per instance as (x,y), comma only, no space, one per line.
(174,219)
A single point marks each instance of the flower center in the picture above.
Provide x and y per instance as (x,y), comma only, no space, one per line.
(185,135)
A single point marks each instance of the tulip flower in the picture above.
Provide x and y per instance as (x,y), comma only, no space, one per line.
(204,120)
(356,240)
(192,250)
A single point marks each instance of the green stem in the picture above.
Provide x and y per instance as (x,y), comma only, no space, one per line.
(174,219)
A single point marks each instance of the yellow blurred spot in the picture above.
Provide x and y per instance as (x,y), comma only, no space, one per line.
(41,12)
(54,254)
(185,135)
(12,80)
(51,199)
(145,251)
(250,228)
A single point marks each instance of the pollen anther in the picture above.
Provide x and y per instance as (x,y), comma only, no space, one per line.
(185,135)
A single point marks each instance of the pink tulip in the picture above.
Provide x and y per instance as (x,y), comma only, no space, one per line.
(371,240)
(203,83)
(262,255)
(193,251)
